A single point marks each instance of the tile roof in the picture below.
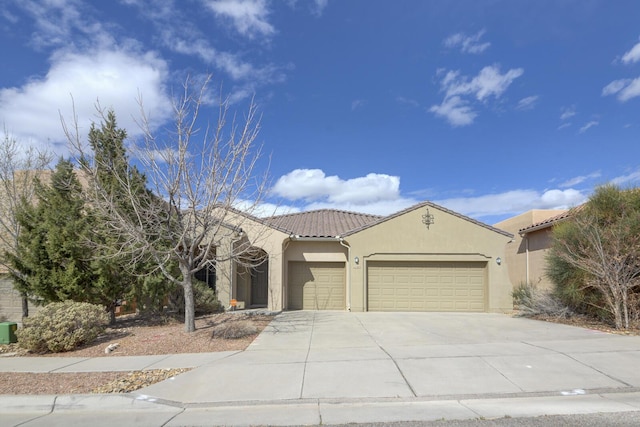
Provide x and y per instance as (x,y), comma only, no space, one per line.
(321,223)
(332,223)
(549,222)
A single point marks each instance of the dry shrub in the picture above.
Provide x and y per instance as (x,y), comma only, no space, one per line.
(234,329)
(531,301)
(62,326)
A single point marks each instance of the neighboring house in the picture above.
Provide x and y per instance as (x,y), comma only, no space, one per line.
(526,255)
(424,258)
(10,299)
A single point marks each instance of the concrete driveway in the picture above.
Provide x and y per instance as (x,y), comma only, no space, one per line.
(340,356)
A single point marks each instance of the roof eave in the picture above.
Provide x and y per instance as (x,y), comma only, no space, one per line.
(298,238)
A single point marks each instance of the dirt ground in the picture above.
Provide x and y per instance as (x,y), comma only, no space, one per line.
(135,336)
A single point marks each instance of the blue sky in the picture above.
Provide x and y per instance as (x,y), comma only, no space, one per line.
(489,108)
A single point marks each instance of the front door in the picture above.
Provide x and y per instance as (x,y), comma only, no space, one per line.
(260,285)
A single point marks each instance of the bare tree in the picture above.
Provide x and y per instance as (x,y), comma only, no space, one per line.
(19,167)
(204,177)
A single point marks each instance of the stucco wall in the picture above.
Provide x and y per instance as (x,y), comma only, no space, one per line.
(232,282)
(450,238)
(528,264)
(11,302)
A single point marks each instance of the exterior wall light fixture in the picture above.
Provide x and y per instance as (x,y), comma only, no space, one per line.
(498,260)
(356,260)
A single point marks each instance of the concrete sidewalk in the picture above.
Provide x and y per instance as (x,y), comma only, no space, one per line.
(110,410)
(337,367)
(108,363)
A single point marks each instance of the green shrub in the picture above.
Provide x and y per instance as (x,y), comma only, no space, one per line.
(62,326)
(205,299)
(234,329)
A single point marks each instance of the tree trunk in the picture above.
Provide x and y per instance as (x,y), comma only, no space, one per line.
(617,312)
(112,314)
(189,302)
(625,308)
(25,306)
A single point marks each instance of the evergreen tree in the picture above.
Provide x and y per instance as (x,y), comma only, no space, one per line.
(119,181)
(52,262)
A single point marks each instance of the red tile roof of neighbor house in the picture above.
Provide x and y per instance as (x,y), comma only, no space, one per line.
(549,222)
(321,223)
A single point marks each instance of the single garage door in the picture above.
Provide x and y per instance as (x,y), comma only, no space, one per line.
(426,286)
(316,286)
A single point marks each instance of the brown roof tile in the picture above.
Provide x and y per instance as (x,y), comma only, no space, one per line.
(549,222)
(321,223)
(332,223)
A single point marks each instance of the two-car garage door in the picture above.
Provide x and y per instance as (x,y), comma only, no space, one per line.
(391,286)
(426,286)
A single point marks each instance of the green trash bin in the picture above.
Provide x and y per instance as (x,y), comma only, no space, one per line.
(8,332)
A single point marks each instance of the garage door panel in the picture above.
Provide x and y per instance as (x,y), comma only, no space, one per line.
(426,286)
(316,286)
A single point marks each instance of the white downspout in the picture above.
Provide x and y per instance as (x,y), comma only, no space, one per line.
(526,242)
(341,241)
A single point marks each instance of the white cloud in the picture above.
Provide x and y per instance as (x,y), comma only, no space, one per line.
(386,207)
(407,101)
(321,4)
(467,44)
(625,88)
(179,34)
(567,112)
(615,87)
(455,110)
(579,179)
(514,202)
(57,20)
(564,125)
(114,78)
(380,194)
(264,209)
(489,82)
(625,179)
(357,103)
(317,7)
(633,55)
(527,103)
(374,193)
(589,125)
(249,17)
(313,185)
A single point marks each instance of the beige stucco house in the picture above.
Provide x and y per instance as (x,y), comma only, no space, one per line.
(424,258)
(526,255)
